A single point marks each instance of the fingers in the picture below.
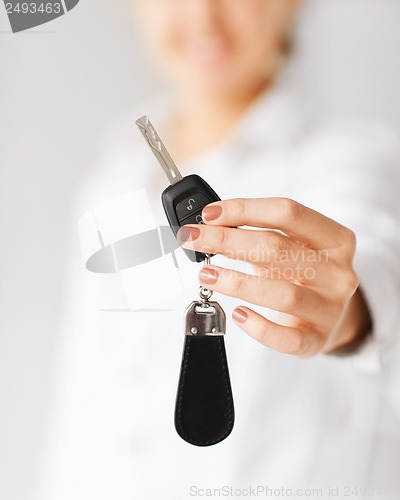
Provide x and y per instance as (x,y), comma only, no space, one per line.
(284,258)
(296,220)
(296,341)
(279,295)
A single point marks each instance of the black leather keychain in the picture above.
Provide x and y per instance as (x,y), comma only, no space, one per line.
(204,412)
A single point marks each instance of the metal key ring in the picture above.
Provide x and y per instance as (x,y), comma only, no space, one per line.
(205,293)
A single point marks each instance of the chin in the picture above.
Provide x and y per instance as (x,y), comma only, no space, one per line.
(212,88)
(212,80)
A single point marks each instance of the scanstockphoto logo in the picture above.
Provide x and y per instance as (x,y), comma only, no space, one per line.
(26,15)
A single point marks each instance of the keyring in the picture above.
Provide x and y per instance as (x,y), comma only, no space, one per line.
(205,293)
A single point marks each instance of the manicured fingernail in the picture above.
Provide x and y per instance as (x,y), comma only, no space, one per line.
(239,315)
(211,212)
(188,234)
(208,275)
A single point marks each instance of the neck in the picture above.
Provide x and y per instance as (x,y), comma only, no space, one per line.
(204,120)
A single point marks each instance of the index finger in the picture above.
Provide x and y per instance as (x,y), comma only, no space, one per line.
(296,220)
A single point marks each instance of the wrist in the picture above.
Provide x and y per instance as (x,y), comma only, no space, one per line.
(354,327)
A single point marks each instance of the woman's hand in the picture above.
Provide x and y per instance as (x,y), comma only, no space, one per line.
(304,269)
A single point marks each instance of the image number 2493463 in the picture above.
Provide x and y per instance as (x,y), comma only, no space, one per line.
(26,15)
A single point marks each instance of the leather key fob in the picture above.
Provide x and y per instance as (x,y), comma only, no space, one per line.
(204,410)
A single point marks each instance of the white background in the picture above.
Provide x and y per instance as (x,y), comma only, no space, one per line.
(60,85)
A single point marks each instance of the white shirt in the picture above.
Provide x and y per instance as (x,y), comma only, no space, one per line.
(321,422)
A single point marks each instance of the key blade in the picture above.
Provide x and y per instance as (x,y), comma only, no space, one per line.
(159,150)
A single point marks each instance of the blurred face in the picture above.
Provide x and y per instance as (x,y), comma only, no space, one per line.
(216,46)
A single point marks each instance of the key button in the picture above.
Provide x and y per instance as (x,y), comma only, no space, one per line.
(194,203)
(195,218)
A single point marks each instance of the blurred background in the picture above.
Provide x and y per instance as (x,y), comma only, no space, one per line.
(61,85)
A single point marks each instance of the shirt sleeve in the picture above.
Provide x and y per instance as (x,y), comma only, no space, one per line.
(359,188)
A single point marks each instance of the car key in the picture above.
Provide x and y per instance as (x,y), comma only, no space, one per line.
(185,198)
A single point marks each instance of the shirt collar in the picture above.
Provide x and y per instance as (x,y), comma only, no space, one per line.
(275,119)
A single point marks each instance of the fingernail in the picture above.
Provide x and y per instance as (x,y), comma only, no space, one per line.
(211,212)
(239,315)
(208,275)
(188,234)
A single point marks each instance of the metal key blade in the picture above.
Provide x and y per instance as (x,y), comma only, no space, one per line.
(159,150)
